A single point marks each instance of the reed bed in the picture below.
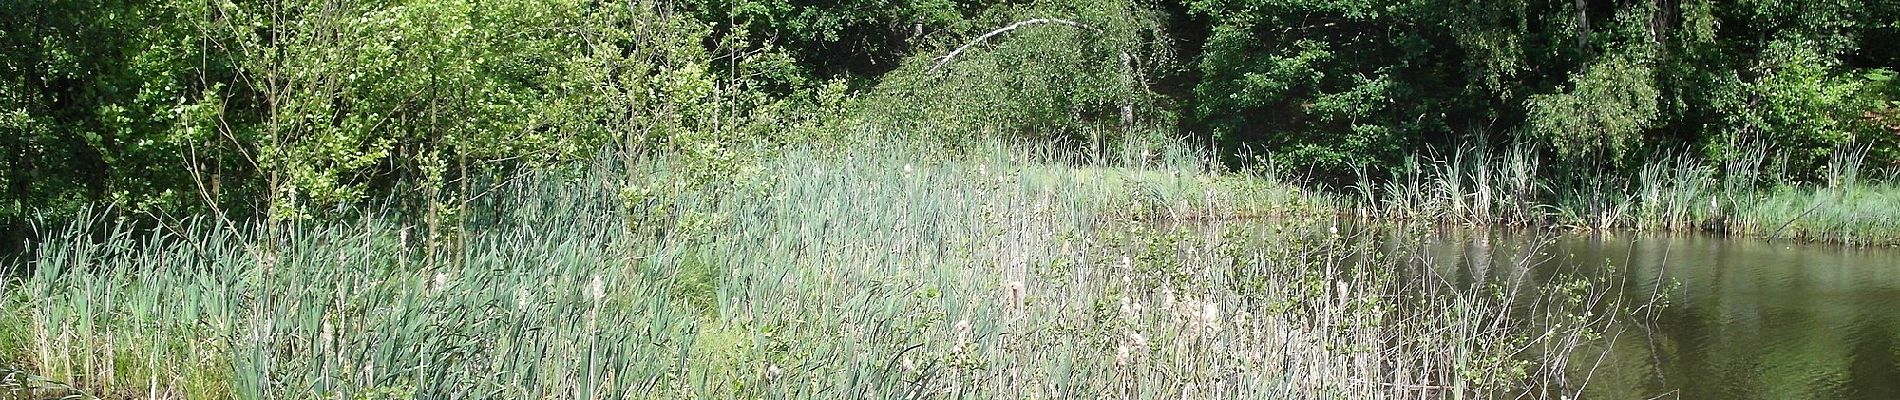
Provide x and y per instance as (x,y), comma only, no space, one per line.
(1740,195)
(881,275)
(1471,187)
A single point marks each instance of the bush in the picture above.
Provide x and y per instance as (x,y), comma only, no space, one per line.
(1800,102)
(1067,71)
(1607,109)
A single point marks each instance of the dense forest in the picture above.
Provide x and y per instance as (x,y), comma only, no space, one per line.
(292,108)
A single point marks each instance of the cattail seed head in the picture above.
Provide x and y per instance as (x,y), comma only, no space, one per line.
(1210,316)
(1345,294)
(1015,295)
(1187,310)
(963,334)
(326,333)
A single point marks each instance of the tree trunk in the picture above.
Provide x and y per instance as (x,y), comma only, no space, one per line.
(1583,25)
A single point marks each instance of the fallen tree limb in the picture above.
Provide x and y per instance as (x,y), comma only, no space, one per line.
(1019,24)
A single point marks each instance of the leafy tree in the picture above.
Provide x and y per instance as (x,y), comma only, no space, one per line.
(99,104)
(1798,103)
(1343,83)
(1074,71)
(1605,112)
(1336,84)
(818,40)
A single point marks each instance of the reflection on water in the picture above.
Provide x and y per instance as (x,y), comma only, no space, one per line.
(1746,319)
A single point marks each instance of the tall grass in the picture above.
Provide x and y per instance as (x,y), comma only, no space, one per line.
(1472,186)
(870,274)
(1739,195)
(1843,208)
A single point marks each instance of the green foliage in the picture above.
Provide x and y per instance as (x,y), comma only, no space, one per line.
(292,109)
(1606,110)
(1337,85)
(304,106)
(93,108)
(1882,122)
(1272,77)
(1798,102)
(1066,70)
(818,40)
(430,91)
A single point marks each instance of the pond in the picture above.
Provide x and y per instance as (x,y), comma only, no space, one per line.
(1742,318)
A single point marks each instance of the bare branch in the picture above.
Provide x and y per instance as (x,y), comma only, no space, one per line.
(986,37)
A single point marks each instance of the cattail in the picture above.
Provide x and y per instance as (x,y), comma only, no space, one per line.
(1210,316)
(1015,294)
(1187,310)
(1345,294)
(261,330)
(326,333)
(1131,309)
(963,335)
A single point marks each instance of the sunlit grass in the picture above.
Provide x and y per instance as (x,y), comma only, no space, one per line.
(1856,214)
